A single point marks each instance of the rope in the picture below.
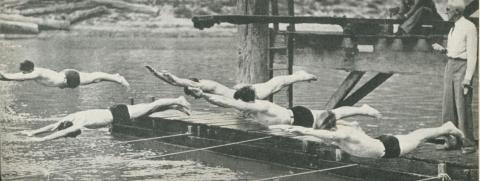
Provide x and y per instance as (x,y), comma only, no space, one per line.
(442,176)
(210,147)
(131,141)
(309,172)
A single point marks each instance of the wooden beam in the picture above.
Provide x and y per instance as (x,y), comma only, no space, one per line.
(43,24)
(208,21)
(363,91)
(18,27)
(345,88)
(290,49)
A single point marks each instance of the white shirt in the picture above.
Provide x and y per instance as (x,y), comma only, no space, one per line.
(461,39)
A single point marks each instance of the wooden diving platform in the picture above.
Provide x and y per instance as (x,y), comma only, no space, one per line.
(210,129)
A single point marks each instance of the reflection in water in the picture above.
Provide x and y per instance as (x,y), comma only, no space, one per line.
(407,103)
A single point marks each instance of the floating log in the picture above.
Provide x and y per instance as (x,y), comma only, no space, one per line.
(129,6)
(57,8)
(42,23)
(82,15)
(18,27)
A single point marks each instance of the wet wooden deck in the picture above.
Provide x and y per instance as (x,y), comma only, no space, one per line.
(210,129)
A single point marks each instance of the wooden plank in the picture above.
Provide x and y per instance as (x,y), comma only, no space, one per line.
(344,88)
(208,21)
(363,91)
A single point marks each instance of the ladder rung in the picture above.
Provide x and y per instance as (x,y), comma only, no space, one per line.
(278,69)
(278,48)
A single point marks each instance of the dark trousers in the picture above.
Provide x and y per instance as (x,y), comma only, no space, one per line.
(457,107)
(412,24)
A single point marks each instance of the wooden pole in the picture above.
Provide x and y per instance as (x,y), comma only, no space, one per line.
(43,24)
(290,50)
(18,27)
(253,44)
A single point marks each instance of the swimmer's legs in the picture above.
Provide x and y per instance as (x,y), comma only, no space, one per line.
(411,141)
(263,90)
(139,110)
(95,77)
(45,129)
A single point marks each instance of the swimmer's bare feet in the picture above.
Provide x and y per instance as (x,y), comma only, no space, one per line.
(453,130)
(123,81)
(183,102)
(185,110)
(371,111)
(306,76)
(239,86)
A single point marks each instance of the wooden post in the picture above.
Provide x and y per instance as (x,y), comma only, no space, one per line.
(253,44)
(274,4)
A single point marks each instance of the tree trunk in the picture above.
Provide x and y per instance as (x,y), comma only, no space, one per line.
(18,27)
(42,23)
(129,6)
(82,15)
(57,8)
(252,44)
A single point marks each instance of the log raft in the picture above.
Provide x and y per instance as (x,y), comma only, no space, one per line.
(43,24)
(18,27)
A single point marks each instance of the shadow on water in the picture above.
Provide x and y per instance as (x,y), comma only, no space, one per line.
(407,103)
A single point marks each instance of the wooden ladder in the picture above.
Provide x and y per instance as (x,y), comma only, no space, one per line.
(289,47)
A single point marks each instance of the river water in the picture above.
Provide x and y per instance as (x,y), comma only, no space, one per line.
(407,102)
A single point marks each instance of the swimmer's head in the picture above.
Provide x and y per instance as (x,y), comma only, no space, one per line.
(26,66)
(189,92)
(67,124)
(246,94)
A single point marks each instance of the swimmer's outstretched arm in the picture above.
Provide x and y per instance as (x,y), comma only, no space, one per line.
(172,79)
(18,76)
(48,128)
(303,131)
(58,134)
(223,101)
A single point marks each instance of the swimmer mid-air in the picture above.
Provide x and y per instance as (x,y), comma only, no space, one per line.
(68,78)
(269,113)
(353,140)
(72,124)
(262,90)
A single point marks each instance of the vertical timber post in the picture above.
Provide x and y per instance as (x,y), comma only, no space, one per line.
(271,42)
(290,50)
(253,44)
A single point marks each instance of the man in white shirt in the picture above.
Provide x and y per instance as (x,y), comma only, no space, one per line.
(462,60)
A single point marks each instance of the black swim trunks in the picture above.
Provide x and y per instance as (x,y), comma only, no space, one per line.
(120,113)
(391,144)
(302,116)
(73,78)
